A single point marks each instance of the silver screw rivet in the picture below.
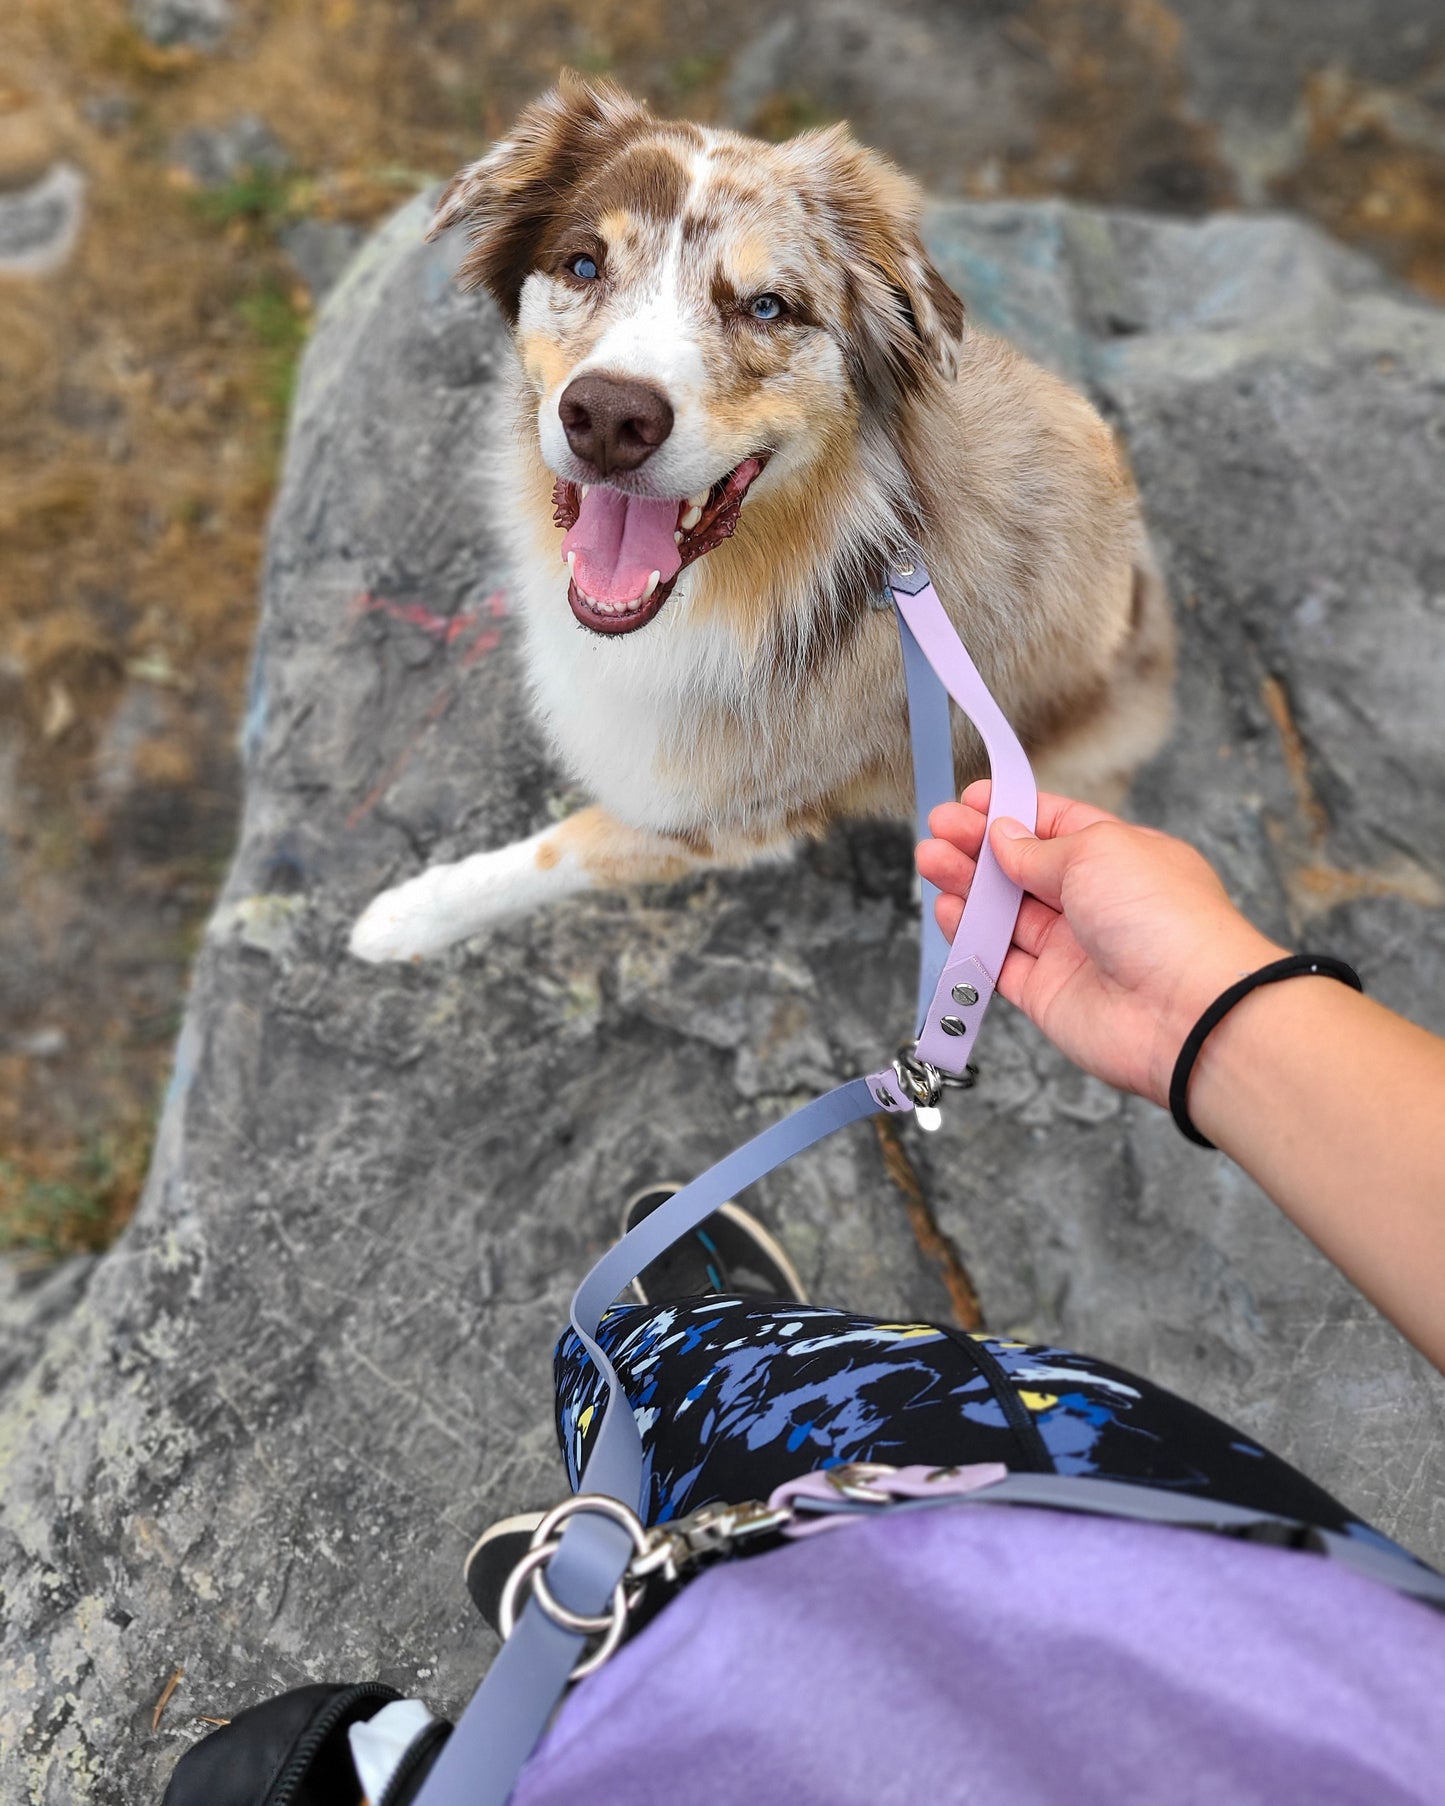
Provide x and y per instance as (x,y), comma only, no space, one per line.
(887,1099)
(964,994)
(906,570)
(953,1025)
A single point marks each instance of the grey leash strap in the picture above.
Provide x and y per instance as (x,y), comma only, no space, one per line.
(1154,1505)
(1089,1497)
(509,1711)
(930,728)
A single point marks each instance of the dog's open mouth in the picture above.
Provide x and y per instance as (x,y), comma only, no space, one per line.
(624,553)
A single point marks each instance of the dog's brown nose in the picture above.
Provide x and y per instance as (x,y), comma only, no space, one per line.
(613,424)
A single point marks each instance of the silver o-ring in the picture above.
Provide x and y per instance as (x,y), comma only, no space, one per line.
(604,1649)
(610,1627)
(602,1505)
(584,1624)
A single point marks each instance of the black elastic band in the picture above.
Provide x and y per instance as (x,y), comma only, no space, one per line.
(1298,965)
(1028,1437)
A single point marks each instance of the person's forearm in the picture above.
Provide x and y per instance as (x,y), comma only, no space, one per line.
(1336,1108)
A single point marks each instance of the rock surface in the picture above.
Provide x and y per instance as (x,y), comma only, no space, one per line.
(258,1447)
(183,24)
(40,224)
(216,155)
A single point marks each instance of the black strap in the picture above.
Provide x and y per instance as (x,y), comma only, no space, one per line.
(1297,965)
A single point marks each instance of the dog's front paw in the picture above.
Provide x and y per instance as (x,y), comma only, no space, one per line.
(452,903)
(409,921)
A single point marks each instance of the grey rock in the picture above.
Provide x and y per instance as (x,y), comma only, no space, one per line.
(111,112)
(320,250)
(216,155)
(1247,63)
(33,1296)
(183,24)
(1179,106)
(938,86)
(39,225)
(1254,55)
(317,1363)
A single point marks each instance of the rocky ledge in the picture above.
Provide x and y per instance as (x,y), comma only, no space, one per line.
(253,1442)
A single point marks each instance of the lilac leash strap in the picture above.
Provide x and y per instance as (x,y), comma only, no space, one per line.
(964,987)
(509,1711)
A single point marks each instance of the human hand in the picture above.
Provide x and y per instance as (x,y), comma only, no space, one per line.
(1126,935)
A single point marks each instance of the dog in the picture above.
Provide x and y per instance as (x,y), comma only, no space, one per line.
(741,389)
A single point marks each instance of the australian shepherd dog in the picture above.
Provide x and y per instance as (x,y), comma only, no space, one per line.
(741,388)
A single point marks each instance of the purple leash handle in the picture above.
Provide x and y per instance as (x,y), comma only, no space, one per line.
(506,1716)
(950,1022)
(957,983)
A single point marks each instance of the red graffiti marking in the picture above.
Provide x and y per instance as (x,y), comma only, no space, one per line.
(448,630)
(440,703)
(489,637)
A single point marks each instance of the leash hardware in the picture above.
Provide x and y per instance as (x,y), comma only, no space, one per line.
(923,1083)
(855,1481)
(609,1625)
(712,1530)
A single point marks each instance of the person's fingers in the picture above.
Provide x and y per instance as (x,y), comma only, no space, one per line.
(1031,932)
(1035,924)
(1014,976)
(1057,814)
(1039,865)
(959,824)
(945,865)
(1063,815)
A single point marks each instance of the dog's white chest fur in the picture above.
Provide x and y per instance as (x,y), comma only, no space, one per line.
(621,713)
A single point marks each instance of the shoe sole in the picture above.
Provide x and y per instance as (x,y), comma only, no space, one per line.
(744,1220)
(488,1599)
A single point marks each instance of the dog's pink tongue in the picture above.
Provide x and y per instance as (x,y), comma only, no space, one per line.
(620,540)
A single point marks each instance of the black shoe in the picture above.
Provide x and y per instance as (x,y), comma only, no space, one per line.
(729,1251)
(491,1559)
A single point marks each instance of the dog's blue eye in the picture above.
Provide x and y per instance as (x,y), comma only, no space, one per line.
(585,267)
(766,307)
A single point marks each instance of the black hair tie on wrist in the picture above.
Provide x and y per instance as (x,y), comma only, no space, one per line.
(1298,965)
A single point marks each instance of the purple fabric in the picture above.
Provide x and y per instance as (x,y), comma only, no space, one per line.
(1011,1656)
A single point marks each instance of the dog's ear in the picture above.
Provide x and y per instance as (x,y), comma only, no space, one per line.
(508,198)
(904,323)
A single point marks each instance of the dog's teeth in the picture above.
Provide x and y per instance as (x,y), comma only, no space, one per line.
(690,518)
(677,537)
(586,491)
(571,560)
(699,501)
(651,586)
